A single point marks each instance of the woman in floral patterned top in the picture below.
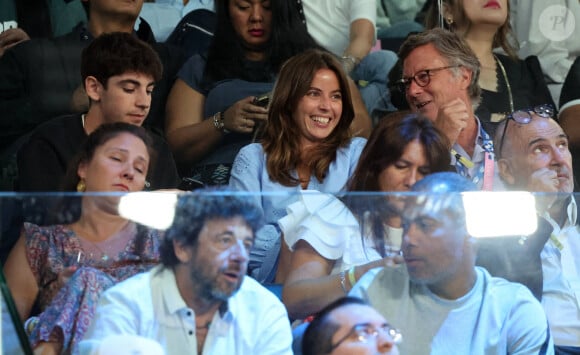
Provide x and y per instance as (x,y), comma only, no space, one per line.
(61,270)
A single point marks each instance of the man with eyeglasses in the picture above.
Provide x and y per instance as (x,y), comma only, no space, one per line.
(350,326)
(534,155)
(440,81)
(439,299)
(199,300)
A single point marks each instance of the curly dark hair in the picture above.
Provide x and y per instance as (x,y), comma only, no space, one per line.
(194,209)
(117,53)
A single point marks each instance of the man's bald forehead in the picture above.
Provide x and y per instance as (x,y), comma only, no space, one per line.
(519,136)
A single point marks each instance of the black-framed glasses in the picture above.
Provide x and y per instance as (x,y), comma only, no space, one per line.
(421,78)
(363,332)
(524,117)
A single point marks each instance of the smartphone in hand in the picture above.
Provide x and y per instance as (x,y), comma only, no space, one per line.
(262,100)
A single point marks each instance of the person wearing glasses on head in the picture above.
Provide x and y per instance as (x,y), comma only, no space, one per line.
(350,326)
(440,81)
(534,155)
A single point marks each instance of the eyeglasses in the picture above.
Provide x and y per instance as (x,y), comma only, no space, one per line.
(524,117)
(363,332)
(421,78)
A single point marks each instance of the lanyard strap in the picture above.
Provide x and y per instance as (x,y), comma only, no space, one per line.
(486,170)
(556,242)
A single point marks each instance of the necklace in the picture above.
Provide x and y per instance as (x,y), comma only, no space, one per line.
(104,256)
(113,245)
(507,83)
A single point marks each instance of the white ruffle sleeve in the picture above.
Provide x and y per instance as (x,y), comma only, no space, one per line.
(323,221)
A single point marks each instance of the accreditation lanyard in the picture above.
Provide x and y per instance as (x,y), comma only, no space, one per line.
(486,170)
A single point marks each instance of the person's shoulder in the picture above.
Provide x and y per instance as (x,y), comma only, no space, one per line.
(135,287)
(255,301)
(65,132)
(354,146)
(509,62)
(255,297)
(30,227)
(159,142)
(505,291)
(192,71)
(354,143)
(250,287)
(357,142)
(196,61)
(61,124)
(56,235)
(253,148)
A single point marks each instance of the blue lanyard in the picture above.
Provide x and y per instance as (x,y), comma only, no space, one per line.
(485,171)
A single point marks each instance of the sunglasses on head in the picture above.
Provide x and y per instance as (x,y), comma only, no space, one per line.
(524,117)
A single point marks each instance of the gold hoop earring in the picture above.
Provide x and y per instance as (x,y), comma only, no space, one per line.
(81,186)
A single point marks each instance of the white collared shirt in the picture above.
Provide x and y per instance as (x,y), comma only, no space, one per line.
(561,287)
(150,305)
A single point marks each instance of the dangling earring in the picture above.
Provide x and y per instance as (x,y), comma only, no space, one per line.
(449,21)
(81,186)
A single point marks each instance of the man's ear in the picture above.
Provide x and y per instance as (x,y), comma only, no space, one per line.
(182,252)
(466,76)
(93,88)
(506,171)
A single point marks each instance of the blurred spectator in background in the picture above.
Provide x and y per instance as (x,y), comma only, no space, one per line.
(24,19)
(164,15)
(548,29)
(396,19)
(347,29)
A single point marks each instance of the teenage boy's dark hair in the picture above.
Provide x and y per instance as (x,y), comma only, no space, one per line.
(118,53)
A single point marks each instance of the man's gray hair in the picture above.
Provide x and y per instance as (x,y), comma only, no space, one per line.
(454,49)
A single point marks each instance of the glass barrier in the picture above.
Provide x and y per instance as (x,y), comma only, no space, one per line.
(431,241)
